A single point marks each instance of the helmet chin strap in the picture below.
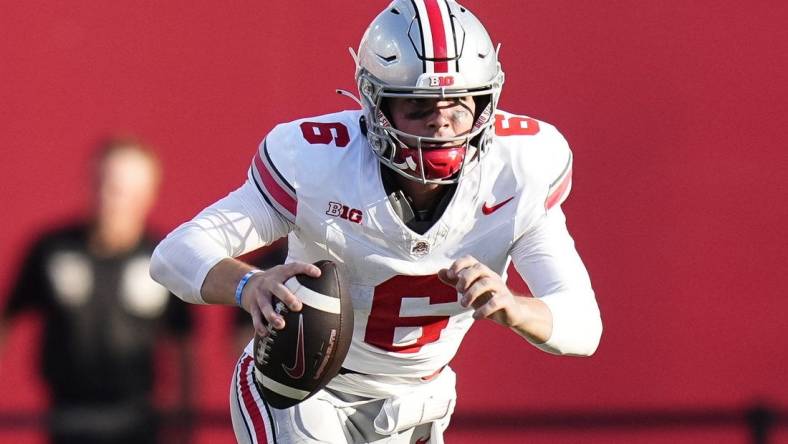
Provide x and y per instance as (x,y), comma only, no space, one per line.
(407,163)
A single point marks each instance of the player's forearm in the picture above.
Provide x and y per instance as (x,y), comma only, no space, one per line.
(183,260)
(548,261)
(222,280)
(536,321)
(577,326)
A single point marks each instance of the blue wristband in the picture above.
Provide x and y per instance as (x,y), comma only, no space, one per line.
(239,290)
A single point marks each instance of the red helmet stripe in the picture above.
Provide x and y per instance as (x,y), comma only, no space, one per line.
(438,30)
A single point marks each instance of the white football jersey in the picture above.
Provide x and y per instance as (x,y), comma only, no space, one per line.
(321,176)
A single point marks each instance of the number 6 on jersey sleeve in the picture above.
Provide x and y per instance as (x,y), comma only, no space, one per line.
(325,133)
(515,126)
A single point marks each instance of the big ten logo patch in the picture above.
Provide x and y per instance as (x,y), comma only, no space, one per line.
(336,209)
(441,81)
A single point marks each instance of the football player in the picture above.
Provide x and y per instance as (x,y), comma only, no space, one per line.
(424,197)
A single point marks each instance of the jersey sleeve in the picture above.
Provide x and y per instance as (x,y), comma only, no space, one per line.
(541,166)
(546,258)
(560,182)
(273,172)
(552,165)
(256,214)
(240,222)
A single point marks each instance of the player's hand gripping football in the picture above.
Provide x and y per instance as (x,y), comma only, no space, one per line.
(485,291)
(259,295)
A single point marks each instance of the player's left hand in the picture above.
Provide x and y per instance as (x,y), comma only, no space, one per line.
(482,289)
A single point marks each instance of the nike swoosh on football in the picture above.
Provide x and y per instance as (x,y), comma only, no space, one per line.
(487,210)
(297,370)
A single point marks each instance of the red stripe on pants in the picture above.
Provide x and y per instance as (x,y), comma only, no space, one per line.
(254,410)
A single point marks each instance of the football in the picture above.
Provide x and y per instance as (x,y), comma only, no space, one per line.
(294,363)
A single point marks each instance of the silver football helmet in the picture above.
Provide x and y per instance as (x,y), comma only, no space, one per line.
(428,49)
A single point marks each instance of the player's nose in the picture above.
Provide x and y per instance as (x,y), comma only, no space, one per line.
(440,120)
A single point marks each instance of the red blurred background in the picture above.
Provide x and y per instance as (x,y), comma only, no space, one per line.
(677,113)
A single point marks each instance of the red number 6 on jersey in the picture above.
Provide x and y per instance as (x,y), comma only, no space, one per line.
(386,314)
(323,133)
(515,126)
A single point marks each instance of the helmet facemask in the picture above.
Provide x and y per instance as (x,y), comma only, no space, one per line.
(441,160)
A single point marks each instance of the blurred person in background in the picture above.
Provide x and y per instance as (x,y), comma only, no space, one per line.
(102,312)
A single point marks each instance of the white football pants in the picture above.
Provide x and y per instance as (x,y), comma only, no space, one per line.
(335,417)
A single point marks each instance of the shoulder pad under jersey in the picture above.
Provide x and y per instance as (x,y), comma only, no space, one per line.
(302,152)
(538,154)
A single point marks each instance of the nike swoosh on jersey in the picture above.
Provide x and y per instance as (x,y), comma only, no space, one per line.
(487,210)
(297,370)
